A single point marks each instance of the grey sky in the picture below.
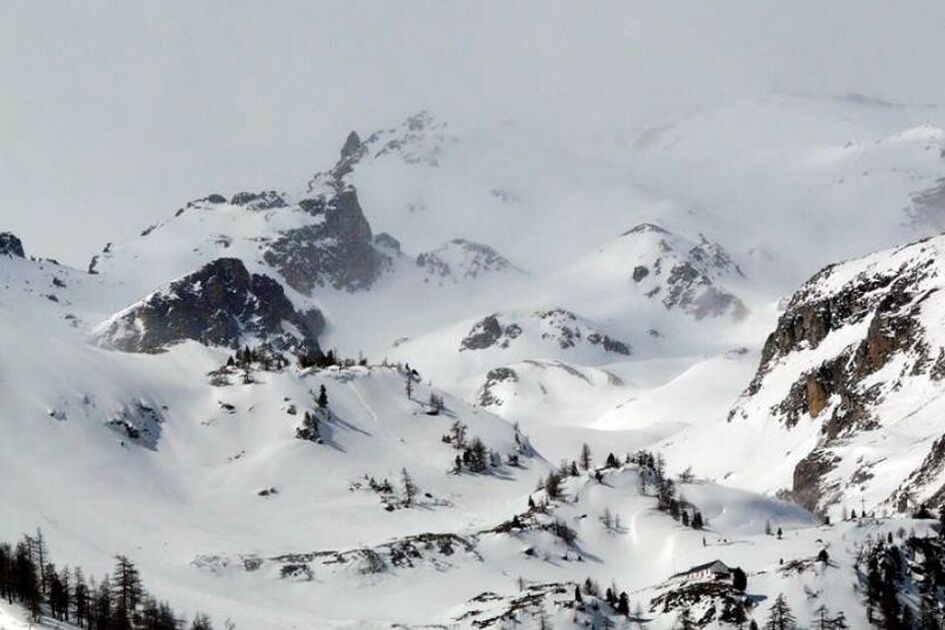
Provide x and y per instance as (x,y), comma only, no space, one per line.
(114,113)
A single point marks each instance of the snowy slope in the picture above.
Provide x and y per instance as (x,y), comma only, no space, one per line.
(844,407)
(500,263)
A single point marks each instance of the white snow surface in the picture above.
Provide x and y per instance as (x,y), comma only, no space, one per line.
(777,199)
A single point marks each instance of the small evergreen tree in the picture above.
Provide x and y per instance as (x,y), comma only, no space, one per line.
(697,522)
(310,428)
(623,604)
(201,622)
(780,616)
(585,457)
(553,485)
(408,486)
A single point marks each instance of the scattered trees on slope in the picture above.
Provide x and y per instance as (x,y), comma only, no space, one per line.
(116,602)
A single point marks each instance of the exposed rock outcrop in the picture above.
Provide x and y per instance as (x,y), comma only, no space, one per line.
(266,200)
(10,245)
(336,252)
(848,343)
(221,304)
(689,275)
(557,325)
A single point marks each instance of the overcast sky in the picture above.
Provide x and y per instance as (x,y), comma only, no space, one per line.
(115,113)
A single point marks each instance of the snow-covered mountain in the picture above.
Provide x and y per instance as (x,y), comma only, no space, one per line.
(680,274)
(221,304)
(474,319)
(856,364)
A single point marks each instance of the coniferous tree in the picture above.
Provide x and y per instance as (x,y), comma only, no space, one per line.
(26,577)
(435,404)
(127,592)
(659,467)
(322,400)
(780,616)
(58,595)
(665,494)
(475,456)
(585,457)
(310,429)
(623,604)
(6,573)
(697,522)
(80,598)
(889,590)
(102,606)
(40,557)
(408,486)
(822,620)
(553,485)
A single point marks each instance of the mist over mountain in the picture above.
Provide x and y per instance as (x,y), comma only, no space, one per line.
(472,316)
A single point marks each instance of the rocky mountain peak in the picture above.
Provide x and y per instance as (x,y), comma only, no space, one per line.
(461,259)
(221,304)
(558,326)
(337,251)
(684,274)
(10,245)
(644,228)
(265,200)
(352,145)
(417,140)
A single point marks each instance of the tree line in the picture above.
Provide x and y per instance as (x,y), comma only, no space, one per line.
(116,601)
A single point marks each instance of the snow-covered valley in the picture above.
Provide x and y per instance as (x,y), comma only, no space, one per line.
(656,365)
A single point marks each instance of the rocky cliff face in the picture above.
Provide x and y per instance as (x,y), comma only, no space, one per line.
(10,245)
(860,348)
(558,326)
(336,251)
(221,304)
